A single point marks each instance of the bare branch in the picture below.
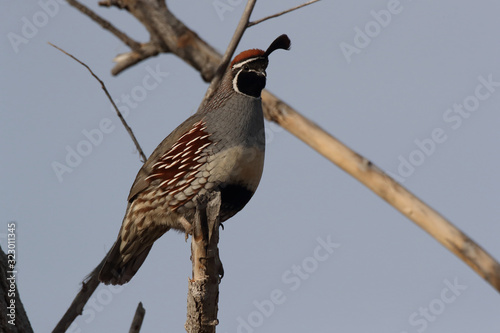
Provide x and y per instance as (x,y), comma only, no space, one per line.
(126,60)
(250,24)
(169,34)
(76,307)
(226,58)
(138,318)
(109,3)
(103,86)
(106,25)
(203,288)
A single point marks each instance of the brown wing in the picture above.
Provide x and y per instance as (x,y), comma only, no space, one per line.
(175,170)
(140,183)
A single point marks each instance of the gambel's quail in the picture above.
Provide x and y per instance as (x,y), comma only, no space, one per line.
(219,148)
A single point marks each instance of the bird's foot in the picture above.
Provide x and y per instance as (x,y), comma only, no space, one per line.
(188,227)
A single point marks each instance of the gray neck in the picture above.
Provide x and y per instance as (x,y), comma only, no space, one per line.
(239,120)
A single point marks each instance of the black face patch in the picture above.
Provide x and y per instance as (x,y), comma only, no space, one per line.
(250,83)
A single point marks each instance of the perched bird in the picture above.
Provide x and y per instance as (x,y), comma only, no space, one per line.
(219,148)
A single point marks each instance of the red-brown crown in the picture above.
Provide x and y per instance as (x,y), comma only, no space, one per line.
(252,53)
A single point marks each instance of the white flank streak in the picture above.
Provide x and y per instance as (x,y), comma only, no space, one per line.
(176,156)
(179,174)
(167,166)
(190,142)
(151,176)
(183,187)
(201,148)
(194,160)
(173,147)
(163,183)
(195,127)
(186,153)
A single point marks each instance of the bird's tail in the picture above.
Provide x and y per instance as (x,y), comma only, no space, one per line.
(114,270)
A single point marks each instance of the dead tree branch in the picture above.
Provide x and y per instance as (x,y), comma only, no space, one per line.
(105,24)
(126,60)
(203,290)
(135,327)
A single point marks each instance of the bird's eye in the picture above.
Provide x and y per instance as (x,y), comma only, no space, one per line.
(246,67)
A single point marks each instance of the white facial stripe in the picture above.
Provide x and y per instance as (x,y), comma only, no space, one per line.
(235,82)
(238,65)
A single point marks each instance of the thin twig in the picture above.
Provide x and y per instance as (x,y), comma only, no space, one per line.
(106,25)
(129,130)
(138,318)
(280,13)
(226,58)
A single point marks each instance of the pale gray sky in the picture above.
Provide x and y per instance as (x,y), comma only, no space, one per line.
(412,85)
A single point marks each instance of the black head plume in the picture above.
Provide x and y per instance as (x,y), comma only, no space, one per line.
(282,42)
